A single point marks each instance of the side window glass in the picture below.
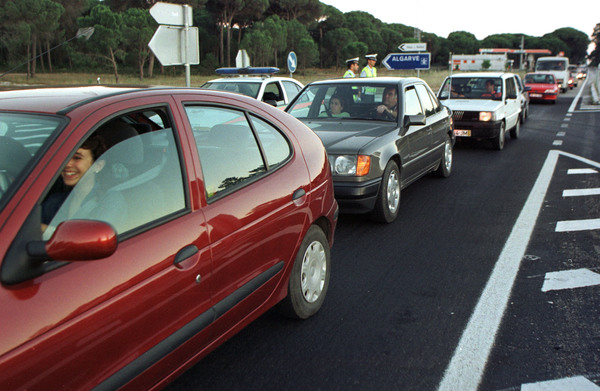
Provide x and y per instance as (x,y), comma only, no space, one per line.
(291,89)
(425,99)
(229,154)
(411,102)
(272,92)
(123,174)
(510,87)
(274,144)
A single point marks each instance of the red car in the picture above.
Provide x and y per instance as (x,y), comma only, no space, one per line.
(141,228)
(542,87)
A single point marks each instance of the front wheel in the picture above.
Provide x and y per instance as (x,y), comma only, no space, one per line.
(309,279)
(388,199)
(498,141)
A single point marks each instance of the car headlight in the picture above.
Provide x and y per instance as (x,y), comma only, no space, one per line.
(550,91)
(355,165)
(486,116)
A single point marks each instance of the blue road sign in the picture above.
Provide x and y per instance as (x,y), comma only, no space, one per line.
(398,61)
(292,62)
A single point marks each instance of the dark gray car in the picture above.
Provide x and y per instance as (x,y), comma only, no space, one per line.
(381,134)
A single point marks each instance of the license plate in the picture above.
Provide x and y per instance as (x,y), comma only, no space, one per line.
(462,132)
(535,95)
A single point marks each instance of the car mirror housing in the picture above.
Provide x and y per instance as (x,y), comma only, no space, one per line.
(77,240)
(414,120)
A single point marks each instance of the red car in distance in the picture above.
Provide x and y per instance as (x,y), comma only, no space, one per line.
(542,87)
(142,227)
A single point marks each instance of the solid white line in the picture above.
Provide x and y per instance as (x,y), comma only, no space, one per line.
(574,103)
(577,225)
(581,192)
(468,362)
(577,171)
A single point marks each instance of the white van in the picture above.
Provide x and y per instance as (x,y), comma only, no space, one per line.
(558,66)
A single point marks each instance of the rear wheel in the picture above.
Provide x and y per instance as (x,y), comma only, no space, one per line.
(516,131)
(309,279)
(445,167)
(388,199)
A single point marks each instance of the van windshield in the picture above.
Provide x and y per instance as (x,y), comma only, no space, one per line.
(550,65)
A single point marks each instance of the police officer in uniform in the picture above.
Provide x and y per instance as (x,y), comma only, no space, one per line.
(369,70)
(352,67)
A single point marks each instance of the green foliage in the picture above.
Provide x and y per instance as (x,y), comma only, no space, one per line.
(268,29)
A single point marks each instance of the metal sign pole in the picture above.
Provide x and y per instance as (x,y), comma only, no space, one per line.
(186,28)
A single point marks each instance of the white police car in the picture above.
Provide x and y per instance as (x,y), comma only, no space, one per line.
(258,83)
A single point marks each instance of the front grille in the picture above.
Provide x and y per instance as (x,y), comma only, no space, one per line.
(465,115)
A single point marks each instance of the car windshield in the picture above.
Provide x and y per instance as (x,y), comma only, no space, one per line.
(21,138)
(247,88)
(539,79)
(337,101)
(471,88)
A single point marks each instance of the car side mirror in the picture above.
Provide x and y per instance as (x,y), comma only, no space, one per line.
(410,120)
(77,240)
(528,88)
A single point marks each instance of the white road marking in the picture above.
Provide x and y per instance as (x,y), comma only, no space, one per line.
(577,383)
(581,192)
(557,142)
(577,225)
(561,134)
(468,362)
(576,171)
(570,279)
(564,125)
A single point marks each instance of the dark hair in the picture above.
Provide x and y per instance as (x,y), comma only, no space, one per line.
(95,143)
(340,98)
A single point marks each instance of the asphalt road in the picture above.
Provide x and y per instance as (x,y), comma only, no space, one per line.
(401,295)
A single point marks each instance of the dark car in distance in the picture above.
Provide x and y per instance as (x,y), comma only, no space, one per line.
(141,228)
(381,134)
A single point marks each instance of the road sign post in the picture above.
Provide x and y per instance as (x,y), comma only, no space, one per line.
(413,47)
(175,42)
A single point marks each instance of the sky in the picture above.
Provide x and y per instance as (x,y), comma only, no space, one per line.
(481,18)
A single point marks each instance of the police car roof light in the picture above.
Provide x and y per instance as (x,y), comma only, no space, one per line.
(248,71)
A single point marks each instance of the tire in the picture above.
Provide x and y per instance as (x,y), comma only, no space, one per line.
(309,279)
(516,131)
(388,199)
(498,141)
(445,168)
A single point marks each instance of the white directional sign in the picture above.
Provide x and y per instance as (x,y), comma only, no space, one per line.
(172,14)
(413,47)
(174,45)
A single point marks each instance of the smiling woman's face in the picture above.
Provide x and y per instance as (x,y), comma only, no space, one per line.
(77,166)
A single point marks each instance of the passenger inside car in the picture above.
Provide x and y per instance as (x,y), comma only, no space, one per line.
(336,108)
(71,174)
(490,90)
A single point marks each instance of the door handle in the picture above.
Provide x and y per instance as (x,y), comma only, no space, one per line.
(187,257)
(298,194)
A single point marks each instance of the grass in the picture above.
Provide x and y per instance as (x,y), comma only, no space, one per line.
(433,77)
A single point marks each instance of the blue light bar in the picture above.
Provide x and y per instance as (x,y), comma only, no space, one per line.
(248,71)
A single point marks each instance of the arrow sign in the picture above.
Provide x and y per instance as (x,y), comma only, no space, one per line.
(396,61)
(413,47)
(168,45)
(292,62)
(172,14)
(570,279)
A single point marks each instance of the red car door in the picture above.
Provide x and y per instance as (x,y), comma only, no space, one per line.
(104,322)
(256,209)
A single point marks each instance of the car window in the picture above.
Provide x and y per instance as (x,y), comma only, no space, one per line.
(412,106)
(228,150)
(135,181)
(425,100)
(272,92)
(21,139)
(274,144)
(291,89)
(247,88)
(511,88)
